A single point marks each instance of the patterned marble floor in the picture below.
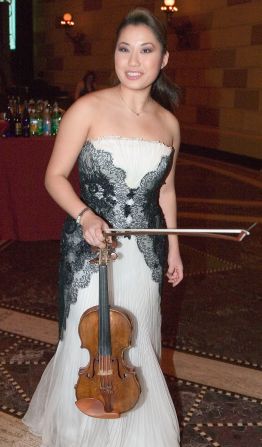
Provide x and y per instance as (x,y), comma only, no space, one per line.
(214,315)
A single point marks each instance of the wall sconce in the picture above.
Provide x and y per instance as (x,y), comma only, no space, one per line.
(67,20)
(80,42)
(187,37)
(169,8)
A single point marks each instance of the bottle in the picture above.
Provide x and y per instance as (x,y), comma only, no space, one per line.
(18,120)
(39,113)
(25,121)
(46,122)
(31,105)
(9,117)
(33,123)
(55,120)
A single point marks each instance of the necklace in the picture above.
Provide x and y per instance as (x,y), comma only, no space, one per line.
(131,110)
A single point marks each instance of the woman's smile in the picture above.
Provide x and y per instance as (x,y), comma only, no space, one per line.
(134,75)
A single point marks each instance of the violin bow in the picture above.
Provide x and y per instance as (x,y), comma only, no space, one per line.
(236,235)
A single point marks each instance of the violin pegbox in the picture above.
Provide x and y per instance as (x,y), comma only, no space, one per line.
(107,253)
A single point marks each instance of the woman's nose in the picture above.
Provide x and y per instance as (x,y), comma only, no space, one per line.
(134,59)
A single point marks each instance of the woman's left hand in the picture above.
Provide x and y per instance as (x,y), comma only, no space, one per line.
(175,269)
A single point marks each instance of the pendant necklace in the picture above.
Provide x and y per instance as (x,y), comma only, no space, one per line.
(131,110)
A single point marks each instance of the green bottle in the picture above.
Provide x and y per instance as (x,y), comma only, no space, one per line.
(39,113)
(55,120)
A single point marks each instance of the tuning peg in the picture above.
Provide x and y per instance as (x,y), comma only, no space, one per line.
(113,256)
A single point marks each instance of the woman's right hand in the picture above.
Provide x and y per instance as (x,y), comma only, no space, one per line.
(93,227)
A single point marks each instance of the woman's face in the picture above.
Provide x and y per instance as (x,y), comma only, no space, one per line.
(138,57)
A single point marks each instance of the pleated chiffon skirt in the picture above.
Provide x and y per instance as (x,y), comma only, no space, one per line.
(52,413)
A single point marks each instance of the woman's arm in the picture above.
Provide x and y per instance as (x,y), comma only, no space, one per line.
(72,135)
(167,201)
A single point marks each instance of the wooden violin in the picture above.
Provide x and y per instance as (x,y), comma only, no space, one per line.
(107,386)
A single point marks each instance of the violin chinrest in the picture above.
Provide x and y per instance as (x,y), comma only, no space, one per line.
(95,408)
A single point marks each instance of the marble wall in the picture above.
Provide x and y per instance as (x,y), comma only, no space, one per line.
(215,56)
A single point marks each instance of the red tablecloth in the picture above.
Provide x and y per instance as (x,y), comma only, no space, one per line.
(27,212)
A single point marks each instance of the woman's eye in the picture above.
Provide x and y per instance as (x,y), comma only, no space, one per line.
(123,49)
(147,50)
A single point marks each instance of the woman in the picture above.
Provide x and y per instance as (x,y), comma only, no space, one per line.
(123,138)
(85,85)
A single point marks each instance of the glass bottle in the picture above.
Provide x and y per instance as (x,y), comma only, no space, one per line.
(25,121)
(39,113)
(55,120)
(33,123)
(18,120)
(9,117)
(31,105)
(46,122)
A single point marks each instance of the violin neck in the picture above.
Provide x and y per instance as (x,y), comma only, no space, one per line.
(104,314)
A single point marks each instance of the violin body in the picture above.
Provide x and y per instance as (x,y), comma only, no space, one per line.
(107,386)
(119,391)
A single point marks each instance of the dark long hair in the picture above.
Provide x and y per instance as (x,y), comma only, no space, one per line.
(163,90)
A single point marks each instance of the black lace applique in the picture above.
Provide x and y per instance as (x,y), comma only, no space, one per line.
(104,189)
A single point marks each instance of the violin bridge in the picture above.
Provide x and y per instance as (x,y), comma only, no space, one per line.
(108,372)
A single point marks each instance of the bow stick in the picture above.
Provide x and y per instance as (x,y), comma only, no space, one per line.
(225,234)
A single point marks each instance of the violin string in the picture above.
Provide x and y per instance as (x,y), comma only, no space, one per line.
(106,371)
(107,376)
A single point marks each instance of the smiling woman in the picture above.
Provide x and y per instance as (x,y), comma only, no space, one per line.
(150,41)
(126,141)
(138,60)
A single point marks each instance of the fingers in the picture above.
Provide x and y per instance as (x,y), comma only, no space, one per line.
(175,276)
(95,237)
(93,232)
(107,235)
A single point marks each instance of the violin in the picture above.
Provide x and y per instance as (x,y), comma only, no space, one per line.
(107,386)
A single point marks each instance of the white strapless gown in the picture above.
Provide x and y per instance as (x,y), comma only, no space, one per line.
(52,413)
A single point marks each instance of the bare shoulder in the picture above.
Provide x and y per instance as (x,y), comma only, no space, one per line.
(79,117)
(85,109)
(85,103)
(98,96)
(90,100)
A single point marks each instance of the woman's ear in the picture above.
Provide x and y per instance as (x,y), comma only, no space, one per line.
(165,59)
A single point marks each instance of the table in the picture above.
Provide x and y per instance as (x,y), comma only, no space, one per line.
(27,212)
